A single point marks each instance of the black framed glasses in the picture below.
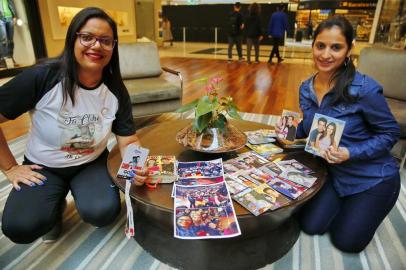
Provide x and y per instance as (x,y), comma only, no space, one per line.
(88,40)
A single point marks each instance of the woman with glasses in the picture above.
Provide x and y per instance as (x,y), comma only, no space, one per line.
(75,102)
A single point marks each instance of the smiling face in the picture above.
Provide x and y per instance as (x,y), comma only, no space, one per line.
(93,59)
(330,50)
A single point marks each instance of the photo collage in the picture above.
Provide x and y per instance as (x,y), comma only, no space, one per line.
(202,202)
(260,185)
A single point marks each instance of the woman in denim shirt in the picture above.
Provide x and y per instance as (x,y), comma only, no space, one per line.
(364,182)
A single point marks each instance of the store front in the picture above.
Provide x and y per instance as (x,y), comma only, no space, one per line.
(21,41)
(359,13)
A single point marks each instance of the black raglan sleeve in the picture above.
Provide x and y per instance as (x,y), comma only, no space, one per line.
(124,125)
(20,94)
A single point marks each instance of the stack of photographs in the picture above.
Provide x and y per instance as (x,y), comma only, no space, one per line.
(161,169)
(261,136)
(203,205)
(260,185)
(260,141)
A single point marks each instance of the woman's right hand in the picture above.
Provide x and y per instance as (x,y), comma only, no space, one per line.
(25,174)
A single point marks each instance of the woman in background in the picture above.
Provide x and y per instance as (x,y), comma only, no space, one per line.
(167,30)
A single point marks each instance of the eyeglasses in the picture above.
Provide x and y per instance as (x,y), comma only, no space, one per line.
(88,40)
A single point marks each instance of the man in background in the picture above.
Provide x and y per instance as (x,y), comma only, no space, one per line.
(278,25)
(236,24)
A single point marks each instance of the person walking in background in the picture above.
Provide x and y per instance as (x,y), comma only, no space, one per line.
(278,25)
(8,18)
(166,29)
(253,31)
(236,24)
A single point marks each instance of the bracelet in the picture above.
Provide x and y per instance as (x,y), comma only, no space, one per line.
(6,170)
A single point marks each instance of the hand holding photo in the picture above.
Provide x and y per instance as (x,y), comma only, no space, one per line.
(286,126)
(325,132)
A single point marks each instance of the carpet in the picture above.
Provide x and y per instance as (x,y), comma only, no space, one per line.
(82,246)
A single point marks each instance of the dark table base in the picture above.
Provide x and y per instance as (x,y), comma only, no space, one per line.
(232,253)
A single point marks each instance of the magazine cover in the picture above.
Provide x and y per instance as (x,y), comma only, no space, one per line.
(134,159)
(233,185)
(161,168)
(286,188)
(277,199)
(324,132)
(253,201)
(212,168)
(272,169)
(294,165)
(300,178)
(260,136)
(287,125)
(265,150)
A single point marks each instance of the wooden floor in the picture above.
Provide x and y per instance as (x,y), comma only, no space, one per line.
(256,88)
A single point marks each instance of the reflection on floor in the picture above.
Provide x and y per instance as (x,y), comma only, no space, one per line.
(292,52)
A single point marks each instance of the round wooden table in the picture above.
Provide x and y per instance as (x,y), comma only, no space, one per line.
(264,238)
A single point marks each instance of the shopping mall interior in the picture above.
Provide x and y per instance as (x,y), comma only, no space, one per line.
(35,30)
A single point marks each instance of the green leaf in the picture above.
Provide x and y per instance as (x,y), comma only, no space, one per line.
(187,107)
(204,79)
(203,106)
(234,113)
(202,122)
(220,122)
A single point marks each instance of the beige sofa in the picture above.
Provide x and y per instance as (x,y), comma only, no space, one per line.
(141,71)
(388,67)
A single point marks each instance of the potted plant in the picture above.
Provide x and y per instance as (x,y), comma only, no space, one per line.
(210,130)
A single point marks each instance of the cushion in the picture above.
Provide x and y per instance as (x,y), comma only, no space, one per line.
(398,109)
(152,89)
(387,66)
(139,60)
(151,108)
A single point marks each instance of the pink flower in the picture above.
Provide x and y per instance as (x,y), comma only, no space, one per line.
(216,80)
(209,88)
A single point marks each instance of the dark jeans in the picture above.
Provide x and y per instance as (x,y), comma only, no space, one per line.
(250,42)
(351,220)
(237,40)
(275,49)
(33,211)
(6,37)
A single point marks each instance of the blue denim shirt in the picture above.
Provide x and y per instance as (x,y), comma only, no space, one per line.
(369,134)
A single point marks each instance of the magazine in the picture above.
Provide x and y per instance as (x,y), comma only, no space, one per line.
(265,150)
(260,136)
(286,187)
(293,164)
(325,132)
(161,168)
(287,125)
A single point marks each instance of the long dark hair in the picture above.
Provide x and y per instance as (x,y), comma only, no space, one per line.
(332,134)
(254,9)
(67,61)
(345,74)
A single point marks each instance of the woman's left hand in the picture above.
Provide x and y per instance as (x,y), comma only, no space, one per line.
(336,156)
